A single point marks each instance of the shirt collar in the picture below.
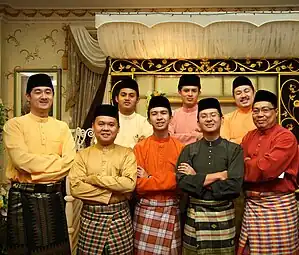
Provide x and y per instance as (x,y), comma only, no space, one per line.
(127,117)
(104,148)
(268,131)
(213,143)
(37,118)
(192,109)
(160,140)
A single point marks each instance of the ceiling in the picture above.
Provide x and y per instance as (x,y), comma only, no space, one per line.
(119,4)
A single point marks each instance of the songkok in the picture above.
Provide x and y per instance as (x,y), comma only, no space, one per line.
(126,83)
(189,80)
(265,95)
(158,101)
(209,103)
(106,110)
(39,80)
(240,81)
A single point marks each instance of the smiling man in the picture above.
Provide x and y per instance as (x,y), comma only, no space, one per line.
(237,123)
(183,125)
(210,171)
(270,221)
(41,151)
(156,221)
(134,127)
(103,177)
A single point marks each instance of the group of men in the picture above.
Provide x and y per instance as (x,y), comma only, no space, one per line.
(185,169)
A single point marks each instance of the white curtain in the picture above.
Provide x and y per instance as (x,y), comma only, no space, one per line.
(188,40)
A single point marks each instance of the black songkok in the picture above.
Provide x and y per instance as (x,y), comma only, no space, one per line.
(126,83)
(240,81)
(189,80)
(39,80)
(106,110)
(158,101)
(209,103)
(265,95)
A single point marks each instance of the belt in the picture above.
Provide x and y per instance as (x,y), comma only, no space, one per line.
(37,188)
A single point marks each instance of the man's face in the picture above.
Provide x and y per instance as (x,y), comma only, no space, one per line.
(244,96)
(40,98)
(264,115)
(127,100)
(105,129)
(189,95)
(209,121)
(159,118)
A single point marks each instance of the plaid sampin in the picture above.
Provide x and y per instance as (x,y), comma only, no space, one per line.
(157,228)
(270,224)
(108,226)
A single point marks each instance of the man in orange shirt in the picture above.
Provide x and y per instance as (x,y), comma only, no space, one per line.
(156,221)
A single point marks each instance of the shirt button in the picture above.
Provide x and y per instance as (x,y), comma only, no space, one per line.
(210,151)
(258,145)
(209,156)
(209,163)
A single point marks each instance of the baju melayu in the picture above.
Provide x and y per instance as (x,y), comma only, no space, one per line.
(132,128)
(236,125)
(156,220)
(270,221)
(103,177)
(40,154)
(210,227)
(183,125)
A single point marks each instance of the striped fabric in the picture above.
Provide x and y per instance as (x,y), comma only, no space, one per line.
(209,228)
(36,221)
(157,228)
(270,224)
(106,229)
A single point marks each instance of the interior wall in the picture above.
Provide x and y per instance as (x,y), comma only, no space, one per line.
(212,85)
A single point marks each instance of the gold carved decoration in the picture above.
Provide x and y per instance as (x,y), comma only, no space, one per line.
(203,65)
(289,103)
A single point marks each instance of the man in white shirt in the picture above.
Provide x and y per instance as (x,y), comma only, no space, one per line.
(134,127)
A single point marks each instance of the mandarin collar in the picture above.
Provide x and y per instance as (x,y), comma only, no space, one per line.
(160,140)
(37,118)
(189,110)
(127,117)
(268,131)
(213,143)
(105,148)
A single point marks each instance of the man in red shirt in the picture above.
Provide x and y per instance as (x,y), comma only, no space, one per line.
(270,221)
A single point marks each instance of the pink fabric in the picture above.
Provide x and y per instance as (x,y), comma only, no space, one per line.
(184,126)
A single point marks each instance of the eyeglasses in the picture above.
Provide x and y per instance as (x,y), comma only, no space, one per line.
(264,110)
(212,115)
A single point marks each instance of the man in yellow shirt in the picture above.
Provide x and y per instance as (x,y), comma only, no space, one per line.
(40,151)
(103,177)
(239,122)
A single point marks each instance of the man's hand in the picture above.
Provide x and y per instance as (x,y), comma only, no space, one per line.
(185,168)
(141,173)
(247,158)
(222,175)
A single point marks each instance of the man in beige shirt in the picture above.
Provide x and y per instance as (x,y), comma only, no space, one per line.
(103,177)
(40,151)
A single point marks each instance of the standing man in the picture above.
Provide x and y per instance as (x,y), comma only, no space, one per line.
(41,151)
(183,125)
(134,127)
(156,221)
(270,221)
(211,172)
(103,177)
(239,122)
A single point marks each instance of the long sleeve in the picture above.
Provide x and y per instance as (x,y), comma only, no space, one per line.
(163,180)
(83,190)
(20,156)
(124,183)
(192,184)
(274,162)
(231,188)
(68,153)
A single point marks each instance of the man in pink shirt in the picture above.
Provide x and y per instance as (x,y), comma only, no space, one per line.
(183,125)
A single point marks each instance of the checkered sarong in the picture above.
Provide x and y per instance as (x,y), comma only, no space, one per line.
(157,227)
(270,224)
(108,226)
(209,228)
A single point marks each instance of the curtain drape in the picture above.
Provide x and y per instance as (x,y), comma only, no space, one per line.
(186,40)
